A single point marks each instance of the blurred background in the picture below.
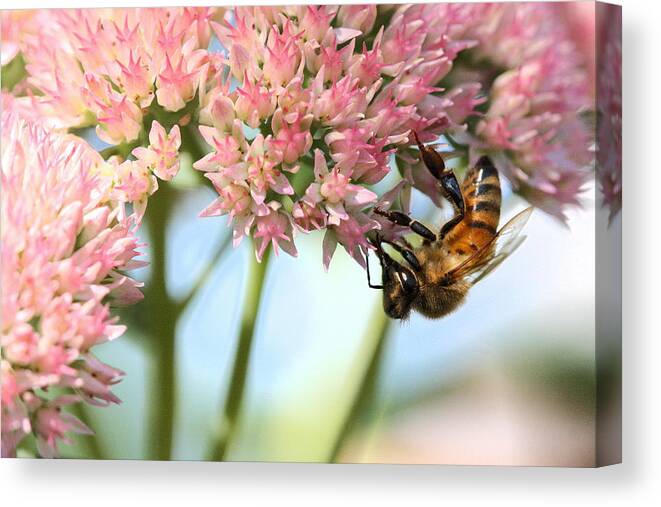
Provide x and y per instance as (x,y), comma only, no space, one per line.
(508,379)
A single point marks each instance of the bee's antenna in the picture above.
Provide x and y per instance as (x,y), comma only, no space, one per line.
(369,280)
(383,256)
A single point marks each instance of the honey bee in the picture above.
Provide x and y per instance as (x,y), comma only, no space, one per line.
(435,278)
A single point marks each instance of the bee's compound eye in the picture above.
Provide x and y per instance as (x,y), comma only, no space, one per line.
(407,280)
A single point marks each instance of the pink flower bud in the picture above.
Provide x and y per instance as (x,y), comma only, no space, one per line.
(358,17)
(162,156)
(254,102)
(119,122)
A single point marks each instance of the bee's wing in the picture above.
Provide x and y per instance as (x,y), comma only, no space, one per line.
(493,253)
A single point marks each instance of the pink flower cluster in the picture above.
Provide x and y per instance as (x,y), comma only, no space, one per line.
(115,69)
(533,126)
(105,67)
(305,106)
(329,95)
(64,253)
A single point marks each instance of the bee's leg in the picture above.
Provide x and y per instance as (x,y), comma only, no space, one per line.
(385,259)
(399,218)
(369,281)
(406,253)
(449,184)
(449,225)
(452,191)
(406,243)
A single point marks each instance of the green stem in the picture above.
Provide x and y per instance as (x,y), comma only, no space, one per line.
(108,152)
(163,312)
(234,399)
(368,371)
(193,143)
(162,323)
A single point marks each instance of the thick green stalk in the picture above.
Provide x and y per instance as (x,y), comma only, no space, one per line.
(163,313)
(367,368)
(162,321)
(234,399)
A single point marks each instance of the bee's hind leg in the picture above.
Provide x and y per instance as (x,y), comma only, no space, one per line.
(449,184)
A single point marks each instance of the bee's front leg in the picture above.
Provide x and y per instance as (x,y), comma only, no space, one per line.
(399,218)
(406,253)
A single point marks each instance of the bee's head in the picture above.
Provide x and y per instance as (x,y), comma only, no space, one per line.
(400,288)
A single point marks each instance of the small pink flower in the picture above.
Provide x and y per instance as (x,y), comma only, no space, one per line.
(97,93)
(162,156)
(386,116)
(341,105)
(368,66)
(294,100)
(219,112)
(120,121)
(291,140)
(52,424)
(315,22)
(462,103)
(358,17)
(274,228)
(137,80)
(176,85)
(234,198)
(134,183)
(20,345)
(351,234)
(263,172)
(333,190)
(254,102)
(350,146)
(284,58)
(334,60)
(228,149)
(413,88)
(308,217)
(240,33)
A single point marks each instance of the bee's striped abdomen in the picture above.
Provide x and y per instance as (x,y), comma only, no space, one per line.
(482,199)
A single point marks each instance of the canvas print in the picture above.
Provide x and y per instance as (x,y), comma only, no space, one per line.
(346,234)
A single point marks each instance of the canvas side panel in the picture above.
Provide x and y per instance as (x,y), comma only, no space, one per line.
(608,339)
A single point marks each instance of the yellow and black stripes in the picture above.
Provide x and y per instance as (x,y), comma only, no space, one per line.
(482,199)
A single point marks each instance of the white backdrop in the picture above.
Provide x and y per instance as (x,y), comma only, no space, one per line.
(636,482)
